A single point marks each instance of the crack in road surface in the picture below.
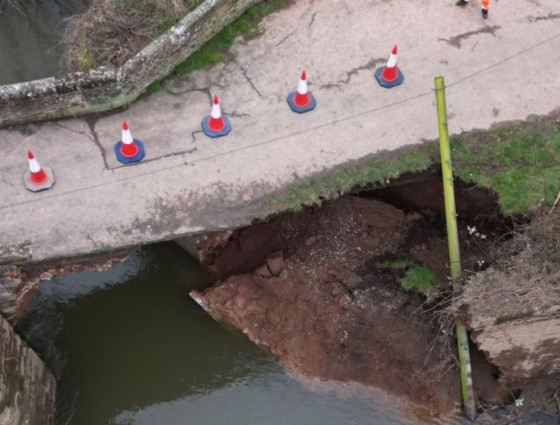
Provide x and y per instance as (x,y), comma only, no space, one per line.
(372,64)
(91,121)
(550,17)
(457,40)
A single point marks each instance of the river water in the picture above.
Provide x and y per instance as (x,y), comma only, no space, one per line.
(31,41)
(128,346)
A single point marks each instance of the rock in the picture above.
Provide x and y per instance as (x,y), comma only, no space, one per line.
(276,263)
(263,271)
(310,240)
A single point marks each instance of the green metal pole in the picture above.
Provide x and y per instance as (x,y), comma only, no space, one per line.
(453,242)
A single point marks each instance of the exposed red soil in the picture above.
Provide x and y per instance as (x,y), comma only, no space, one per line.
(315,292)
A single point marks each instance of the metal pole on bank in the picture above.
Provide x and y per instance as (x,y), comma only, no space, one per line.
(453,242)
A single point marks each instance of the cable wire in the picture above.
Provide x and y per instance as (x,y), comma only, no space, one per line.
(283,137)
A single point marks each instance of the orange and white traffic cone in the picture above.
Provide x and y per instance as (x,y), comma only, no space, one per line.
(129,149)
(302,100)
(215,124)
(37,178)
(390,75)
(484,8)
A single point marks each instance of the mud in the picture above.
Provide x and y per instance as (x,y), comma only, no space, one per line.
(321,290)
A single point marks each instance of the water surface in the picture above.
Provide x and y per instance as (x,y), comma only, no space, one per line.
(128,346)
(31,41)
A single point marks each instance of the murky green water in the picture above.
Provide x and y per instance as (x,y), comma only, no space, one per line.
(128,346)
(31,42)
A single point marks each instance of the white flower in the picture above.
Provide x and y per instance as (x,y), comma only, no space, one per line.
(518,402)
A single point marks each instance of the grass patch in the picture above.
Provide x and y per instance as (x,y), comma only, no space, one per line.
(421,279)
(87,58)
(521,163)
(215,49)
(367,171)
(396,264)
(246,26)
(414,277)
(154,87)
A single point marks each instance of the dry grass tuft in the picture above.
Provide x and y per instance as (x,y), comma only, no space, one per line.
(111,31)
(524,279)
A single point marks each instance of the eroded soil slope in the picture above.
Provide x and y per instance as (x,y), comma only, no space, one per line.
(328,302)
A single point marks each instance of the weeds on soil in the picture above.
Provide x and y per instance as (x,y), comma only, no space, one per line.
(421,279)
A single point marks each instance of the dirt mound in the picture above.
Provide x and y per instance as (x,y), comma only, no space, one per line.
(329,302)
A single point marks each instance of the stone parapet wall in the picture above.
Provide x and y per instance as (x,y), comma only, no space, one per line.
(27,387)
(104,89)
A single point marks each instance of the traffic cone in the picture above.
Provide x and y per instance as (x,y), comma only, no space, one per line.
(390,75)
(215,124)
(129,149)
(37,178)
(301,101)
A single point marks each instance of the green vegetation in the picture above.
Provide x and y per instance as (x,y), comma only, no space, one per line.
(421,279)
(414,277)
(108,33)
(154,87)
(373,170)
(214,51)
(246,26)
(396,264)
(521,163)
(111,31)
(87,59)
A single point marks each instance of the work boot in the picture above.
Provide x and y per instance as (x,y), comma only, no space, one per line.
(484,13)
(461,2)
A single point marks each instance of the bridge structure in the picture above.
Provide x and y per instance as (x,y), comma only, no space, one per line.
(496,70)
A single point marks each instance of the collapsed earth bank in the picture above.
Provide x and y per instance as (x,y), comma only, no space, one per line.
(357,290)
(323,289)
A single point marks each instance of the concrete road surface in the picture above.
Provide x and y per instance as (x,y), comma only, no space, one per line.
(505,68)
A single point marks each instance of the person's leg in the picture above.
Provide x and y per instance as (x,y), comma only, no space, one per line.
(484,9)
